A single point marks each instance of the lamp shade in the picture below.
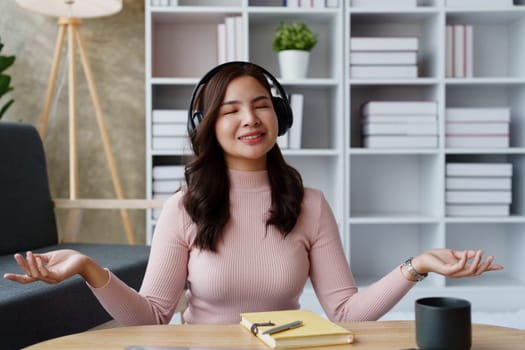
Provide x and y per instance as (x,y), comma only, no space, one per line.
(73,8)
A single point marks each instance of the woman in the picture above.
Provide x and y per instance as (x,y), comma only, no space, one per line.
(244,235)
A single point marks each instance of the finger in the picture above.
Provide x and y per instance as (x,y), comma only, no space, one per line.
(473,266)
(31,262)
(19,278)
(42,269)
(22,263)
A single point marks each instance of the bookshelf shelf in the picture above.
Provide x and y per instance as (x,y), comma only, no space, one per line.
(393,195)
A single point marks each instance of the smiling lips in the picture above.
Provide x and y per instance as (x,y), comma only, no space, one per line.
(252,137)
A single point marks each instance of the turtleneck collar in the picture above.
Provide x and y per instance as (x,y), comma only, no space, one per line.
(248,180)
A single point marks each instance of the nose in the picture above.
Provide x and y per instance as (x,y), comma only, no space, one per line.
(250,118)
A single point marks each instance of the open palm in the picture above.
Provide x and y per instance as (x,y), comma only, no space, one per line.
(52,267)
(457,264)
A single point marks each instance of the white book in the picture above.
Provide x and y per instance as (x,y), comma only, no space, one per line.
(230,39)
(170,142)
(292,3)
(305,4)
(165,172)
(400,128)
(239,38)
(477,210)
(479,197)
(169,129)
(318,4)
(400,141)
(296,103)
(480,3)
(332,3)
(169,116)
(459,50)
(479,169)
(221,43)
(384,44)
(401,108)
(384,71)
(477,114)
(166,186)
(449,51)
(383,58)
(399,118)
(475,128)
(469,51)
(477,141)
(381,3)
(478,183)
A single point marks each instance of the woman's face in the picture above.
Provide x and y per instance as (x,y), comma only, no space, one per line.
(246,127)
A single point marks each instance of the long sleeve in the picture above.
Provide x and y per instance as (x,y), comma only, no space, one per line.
(164,279)
(333,281)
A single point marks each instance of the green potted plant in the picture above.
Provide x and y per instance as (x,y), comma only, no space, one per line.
(293,42)
(5,80)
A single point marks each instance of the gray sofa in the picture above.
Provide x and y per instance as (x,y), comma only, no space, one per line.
(35,312)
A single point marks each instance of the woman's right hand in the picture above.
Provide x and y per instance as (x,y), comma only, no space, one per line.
(57,266)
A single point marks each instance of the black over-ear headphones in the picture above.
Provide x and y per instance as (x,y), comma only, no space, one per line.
(281,105)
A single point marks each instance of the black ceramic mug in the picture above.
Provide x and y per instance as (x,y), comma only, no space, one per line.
(443,323)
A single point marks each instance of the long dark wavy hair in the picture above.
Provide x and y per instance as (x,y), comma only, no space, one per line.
(207,199)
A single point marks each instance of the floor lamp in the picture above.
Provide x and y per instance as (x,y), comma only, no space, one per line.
(70,13)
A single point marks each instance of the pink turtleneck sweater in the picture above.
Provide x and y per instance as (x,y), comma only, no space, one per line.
(254,269)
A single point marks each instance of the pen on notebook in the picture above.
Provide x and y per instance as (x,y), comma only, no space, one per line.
(283,327)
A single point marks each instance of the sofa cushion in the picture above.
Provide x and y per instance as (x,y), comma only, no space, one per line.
(37,311)
(26,217)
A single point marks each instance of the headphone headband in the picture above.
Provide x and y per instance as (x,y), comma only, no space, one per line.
(281,103)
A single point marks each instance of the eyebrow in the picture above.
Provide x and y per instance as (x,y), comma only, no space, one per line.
(256,99)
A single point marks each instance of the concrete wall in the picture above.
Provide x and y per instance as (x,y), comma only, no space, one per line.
(116,53)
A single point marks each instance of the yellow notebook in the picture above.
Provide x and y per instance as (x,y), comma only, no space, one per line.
(314,331)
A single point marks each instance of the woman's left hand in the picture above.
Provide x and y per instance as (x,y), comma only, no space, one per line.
(454,263)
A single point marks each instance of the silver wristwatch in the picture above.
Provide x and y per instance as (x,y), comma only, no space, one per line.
(408,264)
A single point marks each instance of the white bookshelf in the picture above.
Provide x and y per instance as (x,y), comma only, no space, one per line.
(389,203)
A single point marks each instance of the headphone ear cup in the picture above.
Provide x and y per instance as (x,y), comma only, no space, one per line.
(194,122)
(284,114)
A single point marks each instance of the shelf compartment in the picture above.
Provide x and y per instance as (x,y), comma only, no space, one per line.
(493,95)
(397,243)
(191,31)
(171,96)
(323,173)
(390,185)
(324,62)
(359,94)
(424,25)
(504,30)
(504,241)
(321,118)
(517,207)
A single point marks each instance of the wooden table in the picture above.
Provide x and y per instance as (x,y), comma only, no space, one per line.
(382,335)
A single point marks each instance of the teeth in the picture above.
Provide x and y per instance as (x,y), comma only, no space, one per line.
(250,137)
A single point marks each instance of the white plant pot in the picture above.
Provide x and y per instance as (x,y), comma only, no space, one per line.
(293,63)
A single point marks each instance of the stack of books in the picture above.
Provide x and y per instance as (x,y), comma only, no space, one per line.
(167,179)
(480,3)
(383,57)
(459,62)
(478,189)
(230,40)
(385,3)
(477,127)
(399,124)
(169,130)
